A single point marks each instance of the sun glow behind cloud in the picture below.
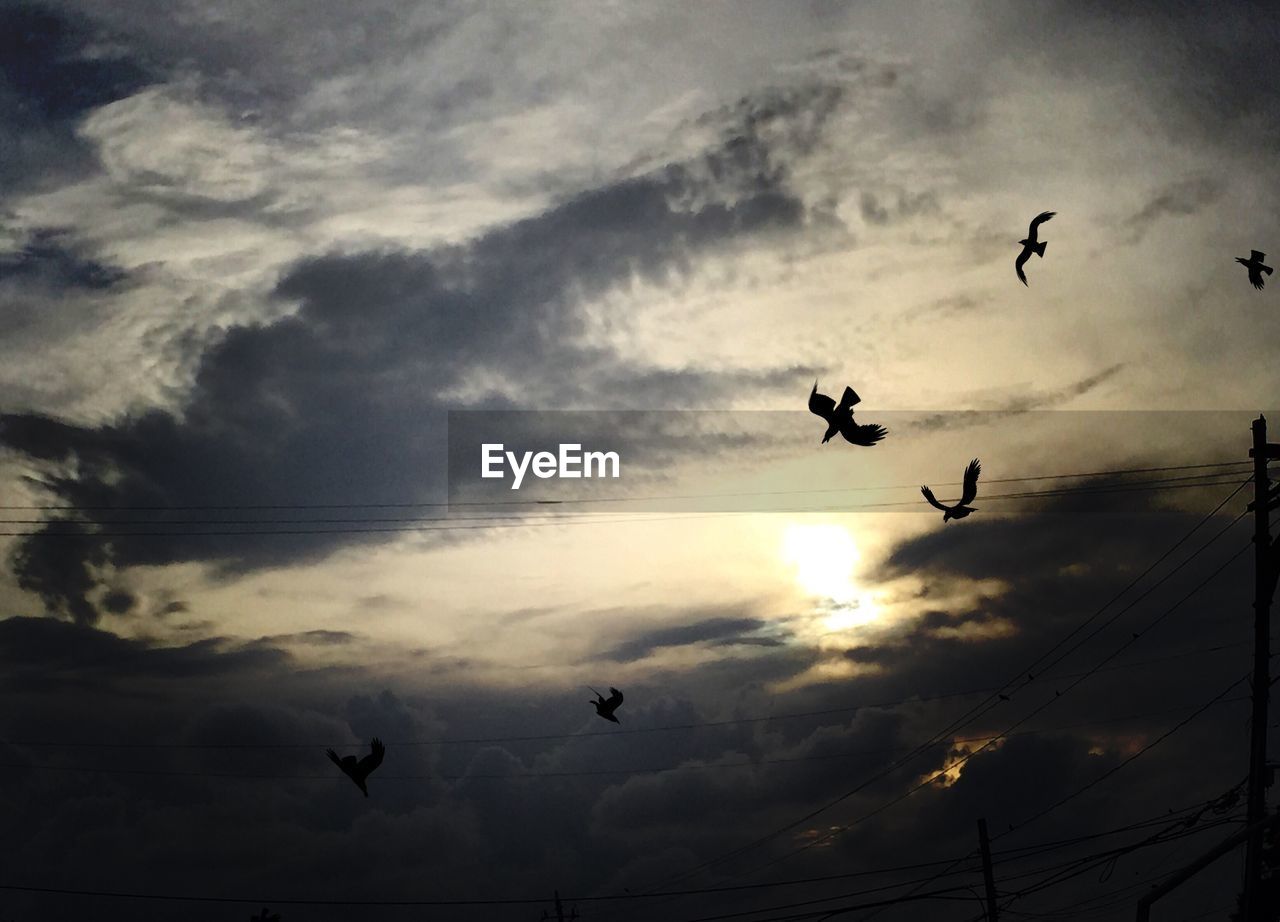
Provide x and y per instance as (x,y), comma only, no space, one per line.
(824,557)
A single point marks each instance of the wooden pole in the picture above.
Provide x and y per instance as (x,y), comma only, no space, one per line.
(1256,805)
(988,875)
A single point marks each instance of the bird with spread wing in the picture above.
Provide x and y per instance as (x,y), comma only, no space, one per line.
(1255,267)
(606,706)
(359,770)
(962,508)
(1032,244)
(839,418)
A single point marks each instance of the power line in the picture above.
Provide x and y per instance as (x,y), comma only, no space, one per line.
(1127,643)
(522,522)
(980,709)
(1216,699)
(885,805)
(564,521)
(1204,479)
(450,741)
(612,499)
(713,766)
(1175,827)
(1037,848)
(1138,754)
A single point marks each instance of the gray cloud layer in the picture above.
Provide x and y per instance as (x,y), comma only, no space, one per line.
(343,400)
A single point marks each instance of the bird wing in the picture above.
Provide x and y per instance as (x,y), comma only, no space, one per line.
(848,400)
(333,757)
(866,435)
(970,482)
(1255,277)
(1257,257)
(1038,220)
(928,494)
(1021,260)
(615,698)
(820,405)
(374,758)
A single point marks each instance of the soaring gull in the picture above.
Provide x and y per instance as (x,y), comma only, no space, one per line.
(1032,244)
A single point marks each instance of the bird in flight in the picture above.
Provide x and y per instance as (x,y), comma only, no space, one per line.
(1255,267)
(962,508)
(1032,244)
(359,771)
(840,418)
(606,706)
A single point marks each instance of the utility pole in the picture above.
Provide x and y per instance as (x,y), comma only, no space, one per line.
(988,876)
(1264,582)
(560,916)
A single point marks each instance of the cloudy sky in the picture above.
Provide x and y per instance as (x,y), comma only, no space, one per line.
(269,272)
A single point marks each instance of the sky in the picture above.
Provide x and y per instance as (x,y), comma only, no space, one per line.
(270,273)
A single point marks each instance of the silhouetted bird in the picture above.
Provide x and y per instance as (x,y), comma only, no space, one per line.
(1032,244)
(1255,267)
(265,917)
(359,771)
(606,706)
(840,418)
(962,508)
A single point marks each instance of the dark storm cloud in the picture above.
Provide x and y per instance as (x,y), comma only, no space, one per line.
(947,305)
(875,211)
(50,260)
(44,651)
(54,67)
(312,638)
(1055,571)
(1014,406)
(604,831)
(46,60)
(1207,73)
(1179,199)
(343,401)
(719,631)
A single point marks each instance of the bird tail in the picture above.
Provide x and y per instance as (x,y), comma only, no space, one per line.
(1266,269)
(1040,248)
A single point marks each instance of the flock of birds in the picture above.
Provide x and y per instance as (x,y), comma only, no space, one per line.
(839,420)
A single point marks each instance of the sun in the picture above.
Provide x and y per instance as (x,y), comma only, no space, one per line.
(824,558)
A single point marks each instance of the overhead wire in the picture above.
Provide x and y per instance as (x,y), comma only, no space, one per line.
(609,499)
(981,709)
(621,732)
(468,776)
(76,528)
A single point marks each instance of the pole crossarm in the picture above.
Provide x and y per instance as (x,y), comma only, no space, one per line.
(1195,867)
(1272,500)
